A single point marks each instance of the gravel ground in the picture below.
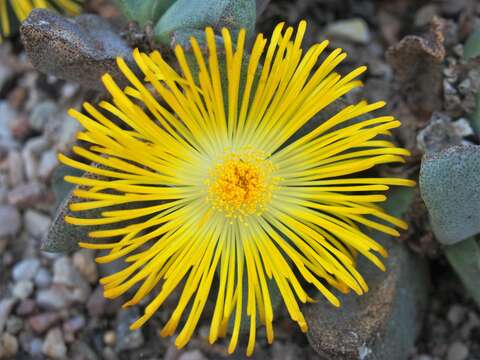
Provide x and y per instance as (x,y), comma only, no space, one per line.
(51,305)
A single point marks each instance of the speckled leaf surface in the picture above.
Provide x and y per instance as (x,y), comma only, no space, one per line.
(64,237)
(198,14)
(81,50)
(449,185)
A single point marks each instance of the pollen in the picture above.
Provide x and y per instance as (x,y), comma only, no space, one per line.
(242,183)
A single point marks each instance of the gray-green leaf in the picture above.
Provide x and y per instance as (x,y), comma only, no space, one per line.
(465,259)
(144,11)
(472,45)
(449,185)
(60,187)
(198,14)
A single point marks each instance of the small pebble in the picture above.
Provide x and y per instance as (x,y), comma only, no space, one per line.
(84,261)
(425,14)
(126,338)
(6,74)
(17,97)
(36,223)
(43,278)
(54,345)
(53,298)
(14,325)
(26,195)
(67,133)
(455,315)
(20,127)
(15,168)
(82,351)
(7,115)
(8,259)
(42,322)
(42,113)
(25,307)
(11,220)
(25,269)
(110,338)
(109,354)
(35,348)
(64,273)
(192,355)
(74,324)
(8,346)
(23,289)
(35,147)
(354,30)
(6,307)
(48,163)
(97,304)
(457,351)
(472,322)
(423,357)
(172,353)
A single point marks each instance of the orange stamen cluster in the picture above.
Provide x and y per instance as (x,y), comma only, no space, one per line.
(241,184)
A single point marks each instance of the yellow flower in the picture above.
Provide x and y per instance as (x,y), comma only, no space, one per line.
(21,9)
(219,202)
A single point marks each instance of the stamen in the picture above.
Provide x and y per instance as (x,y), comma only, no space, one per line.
(242,183)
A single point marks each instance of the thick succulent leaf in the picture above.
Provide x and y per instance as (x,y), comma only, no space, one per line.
(399,201)
(198,14)
(182,37)
(79,50)
(144,11)
(60,187)
(61,236)
(465,259)
(475,117)
(449,185)
(472,45)
(64,237)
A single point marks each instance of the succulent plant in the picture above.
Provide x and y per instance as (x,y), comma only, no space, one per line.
(465,259)
(145,11)
(185,16)
(449,183)
(205,165)
(13,12)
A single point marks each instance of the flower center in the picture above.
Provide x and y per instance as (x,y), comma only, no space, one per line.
(241,184)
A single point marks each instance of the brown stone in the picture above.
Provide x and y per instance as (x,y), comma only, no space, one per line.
(42,322)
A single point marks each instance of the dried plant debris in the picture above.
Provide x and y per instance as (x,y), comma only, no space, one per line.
(81,50)
(417,62)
